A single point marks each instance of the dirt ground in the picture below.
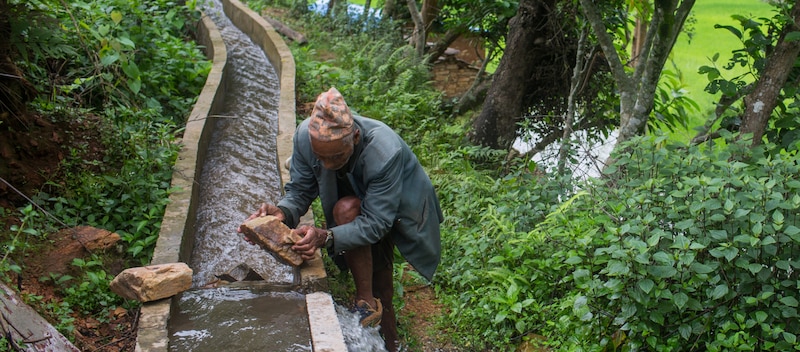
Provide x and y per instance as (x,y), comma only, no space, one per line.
(32,149)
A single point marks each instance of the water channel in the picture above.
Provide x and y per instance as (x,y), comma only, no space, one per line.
(243,298)
(240,171)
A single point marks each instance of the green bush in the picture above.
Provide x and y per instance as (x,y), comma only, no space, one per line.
(689,249)
(677,249)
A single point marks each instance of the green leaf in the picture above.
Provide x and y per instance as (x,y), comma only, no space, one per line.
(109,59)
(719,291)
(573,260)
(500,316)
(657,317)
(793,232)
(685,224)
(757,229)
(662,257)
(755,267)
(646,285)
(662,271)
(701,268)
(517,307)
(496,259)
(789,337)
(789,301)
(686,331)
(127,42)
(617,267)
(760,316)
(792,36)
(134,85)
(717,218)
(680,300)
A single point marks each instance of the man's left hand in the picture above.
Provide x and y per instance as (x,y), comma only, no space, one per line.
(313,238)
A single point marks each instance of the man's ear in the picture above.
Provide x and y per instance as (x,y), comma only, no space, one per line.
(357,136)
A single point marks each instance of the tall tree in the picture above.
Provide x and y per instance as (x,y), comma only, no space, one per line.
(418,37)
(15,89)
(637,89)
(505,104)
(771,48)
(762,101)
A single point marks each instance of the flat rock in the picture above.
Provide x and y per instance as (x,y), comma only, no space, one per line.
(274,236)
(77,242)
(152,282)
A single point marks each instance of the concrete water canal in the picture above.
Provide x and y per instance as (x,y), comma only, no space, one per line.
(221,181)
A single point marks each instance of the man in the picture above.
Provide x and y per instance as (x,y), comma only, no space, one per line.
(375,195)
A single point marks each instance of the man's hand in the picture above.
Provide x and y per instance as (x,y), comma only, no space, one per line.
(313,238)
(264,210)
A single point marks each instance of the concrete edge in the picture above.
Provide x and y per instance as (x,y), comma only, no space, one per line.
(324,323)
(179,215)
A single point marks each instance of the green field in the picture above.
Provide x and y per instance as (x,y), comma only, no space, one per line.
(689,56)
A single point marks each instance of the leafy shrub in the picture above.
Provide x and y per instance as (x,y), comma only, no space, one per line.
(689,249)
(497,274)
(678,249)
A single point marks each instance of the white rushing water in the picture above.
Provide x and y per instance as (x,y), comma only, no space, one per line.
(241,168)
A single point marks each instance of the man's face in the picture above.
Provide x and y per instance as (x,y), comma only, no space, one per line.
(333,154)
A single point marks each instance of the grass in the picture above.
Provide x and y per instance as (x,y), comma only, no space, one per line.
(689,55)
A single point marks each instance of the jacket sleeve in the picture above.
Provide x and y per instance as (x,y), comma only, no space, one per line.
(302,187)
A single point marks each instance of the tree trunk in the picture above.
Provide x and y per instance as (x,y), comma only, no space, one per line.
(580,70)
(15,90)
(331,4)
(637,45)
(430,9)
(637,91)
(388,11)
(505,104)
(365,14)
(760,103)
(418,37)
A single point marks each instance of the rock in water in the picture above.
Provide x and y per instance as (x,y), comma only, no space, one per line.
(273,235)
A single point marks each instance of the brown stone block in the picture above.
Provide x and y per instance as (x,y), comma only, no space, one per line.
(274,236)
(152,282)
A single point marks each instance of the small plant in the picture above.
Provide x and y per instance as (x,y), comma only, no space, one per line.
(18,242)
(91,294)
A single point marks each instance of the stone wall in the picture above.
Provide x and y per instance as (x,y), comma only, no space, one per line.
(453,76)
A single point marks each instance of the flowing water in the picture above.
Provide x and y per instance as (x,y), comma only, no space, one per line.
(260,311)
(241,167)
(240,319)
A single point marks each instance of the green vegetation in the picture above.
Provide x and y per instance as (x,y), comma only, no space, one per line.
(128,71)
(679,248)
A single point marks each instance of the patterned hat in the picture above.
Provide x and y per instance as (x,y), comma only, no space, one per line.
(331,118)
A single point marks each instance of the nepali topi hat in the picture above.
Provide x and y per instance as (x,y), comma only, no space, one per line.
(331,118)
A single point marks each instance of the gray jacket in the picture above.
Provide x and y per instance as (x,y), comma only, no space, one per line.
(393,188)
